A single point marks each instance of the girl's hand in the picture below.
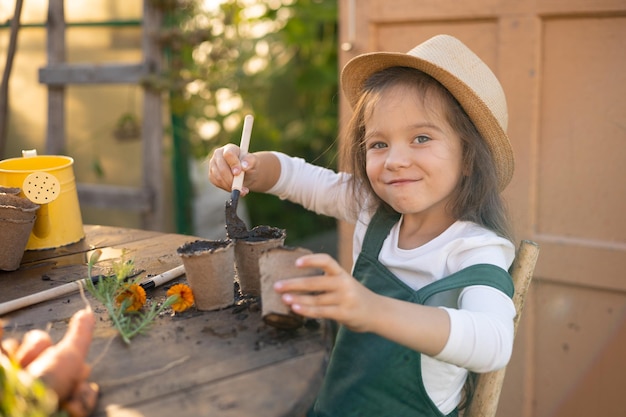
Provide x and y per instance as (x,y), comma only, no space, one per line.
(336,295)
(262,169)
(225,164)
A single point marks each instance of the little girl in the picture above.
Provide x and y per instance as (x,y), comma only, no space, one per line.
(429,297)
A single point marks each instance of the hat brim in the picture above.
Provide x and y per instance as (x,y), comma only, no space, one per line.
(360,68)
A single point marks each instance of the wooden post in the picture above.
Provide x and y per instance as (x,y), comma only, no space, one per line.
(4,87)
(152,125)
(484,402)
(55,134)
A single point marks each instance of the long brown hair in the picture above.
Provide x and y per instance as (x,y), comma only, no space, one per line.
(477,198)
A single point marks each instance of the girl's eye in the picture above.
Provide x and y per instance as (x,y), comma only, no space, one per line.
(422,139)
(377,145)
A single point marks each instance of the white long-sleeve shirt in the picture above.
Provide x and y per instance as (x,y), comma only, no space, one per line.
(481,317)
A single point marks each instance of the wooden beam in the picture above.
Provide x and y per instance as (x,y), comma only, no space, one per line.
(63,74)
(152,124)
(6,75)
(55,45)
(113,196)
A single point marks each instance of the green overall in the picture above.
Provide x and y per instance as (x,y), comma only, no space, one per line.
(371,376)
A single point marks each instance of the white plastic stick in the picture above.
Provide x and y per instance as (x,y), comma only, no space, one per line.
(244,145)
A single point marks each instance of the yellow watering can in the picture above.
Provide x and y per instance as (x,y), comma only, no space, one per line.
(47,180)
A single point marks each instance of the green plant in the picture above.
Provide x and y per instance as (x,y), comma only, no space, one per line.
(128,320)
(276,60)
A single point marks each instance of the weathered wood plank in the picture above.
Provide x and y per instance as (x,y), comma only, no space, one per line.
(286,388)
(194,349)
(110,73)
(152,124)
(151,252)
(96,237)
(55,44)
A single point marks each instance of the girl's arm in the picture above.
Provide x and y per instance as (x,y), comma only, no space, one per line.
(479,340)
(315,188)
(341,297)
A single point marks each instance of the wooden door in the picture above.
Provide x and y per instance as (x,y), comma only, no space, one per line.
(562,64)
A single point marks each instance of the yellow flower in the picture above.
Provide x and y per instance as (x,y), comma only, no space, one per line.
(184,297)
(135,294)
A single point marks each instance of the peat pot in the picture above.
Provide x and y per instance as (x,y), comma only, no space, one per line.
(277,264)
(210,270)
(17,217)
(247,253)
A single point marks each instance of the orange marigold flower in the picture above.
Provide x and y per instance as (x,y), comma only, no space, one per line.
(135,293)
(184,297)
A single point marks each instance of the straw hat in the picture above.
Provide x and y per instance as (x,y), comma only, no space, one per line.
(464,74)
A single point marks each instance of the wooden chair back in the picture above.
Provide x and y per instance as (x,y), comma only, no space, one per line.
(484,401)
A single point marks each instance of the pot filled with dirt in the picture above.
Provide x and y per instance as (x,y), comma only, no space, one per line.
(247,253)
(17,217)
(209,267)
(274,265)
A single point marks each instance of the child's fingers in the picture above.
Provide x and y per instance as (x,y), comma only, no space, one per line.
(231,155)
(33,344)
(315,311)
(321,261)
(220,173)
(10,346)
(82,401)
(311,299)
(319,283)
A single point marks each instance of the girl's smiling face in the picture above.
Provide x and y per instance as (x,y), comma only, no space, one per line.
(413,156)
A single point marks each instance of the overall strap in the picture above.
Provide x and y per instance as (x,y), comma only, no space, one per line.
(479,274)
(378,229)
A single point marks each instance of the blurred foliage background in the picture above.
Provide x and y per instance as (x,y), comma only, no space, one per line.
(274,59)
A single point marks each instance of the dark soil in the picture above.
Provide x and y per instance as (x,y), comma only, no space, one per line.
(260,233)
(202,246)
(11,200)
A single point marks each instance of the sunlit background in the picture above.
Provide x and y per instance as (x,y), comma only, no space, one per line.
(245,61)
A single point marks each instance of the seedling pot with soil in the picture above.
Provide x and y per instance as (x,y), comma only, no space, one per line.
(209,267)
(247,253)
(17,217)
(277,264)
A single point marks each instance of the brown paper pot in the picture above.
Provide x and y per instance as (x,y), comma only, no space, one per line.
(209,267)
(247,252)
(277,264)
(17,216)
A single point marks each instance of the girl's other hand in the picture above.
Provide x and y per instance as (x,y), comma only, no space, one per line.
(336,295)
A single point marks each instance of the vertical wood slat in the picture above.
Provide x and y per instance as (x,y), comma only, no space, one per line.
(6,75)
(55,45)
(484,402)
(152,125)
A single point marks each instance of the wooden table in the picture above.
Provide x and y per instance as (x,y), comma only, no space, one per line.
(220,363)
